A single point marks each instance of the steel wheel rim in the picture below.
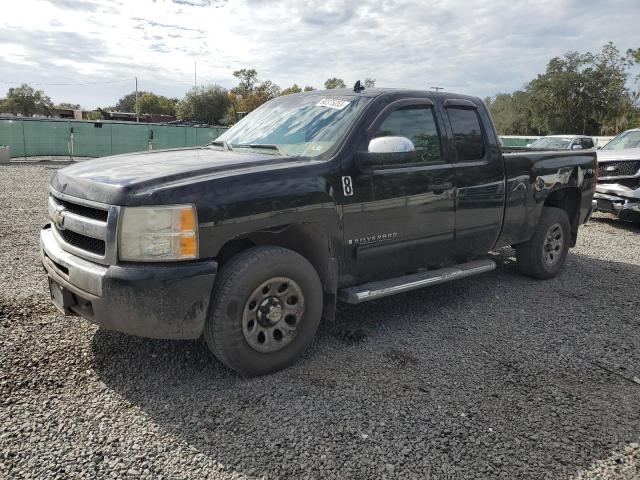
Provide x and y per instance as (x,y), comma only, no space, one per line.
(272,314)
(553,245)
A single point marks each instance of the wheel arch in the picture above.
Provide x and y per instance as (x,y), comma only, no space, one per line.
(567,199)
(310,240)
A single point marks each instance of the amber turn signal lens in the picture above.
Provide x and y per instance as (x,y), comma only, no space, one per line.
(187,220)
(188,246)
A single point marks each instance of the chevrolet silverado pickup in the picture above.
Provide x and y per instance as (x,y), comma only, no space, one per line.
(337,195)
(618,189)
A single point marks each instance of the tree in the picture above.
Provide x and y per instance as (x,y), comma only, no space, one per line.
(248,80)
(292,89)
(208,104)
(578,91)
(309,88)
(128,102)
(156,104)
(68,106)
(512,114)
(369,82)
(334,83)
(95,115)
(26,101)
(268,90)
(241,104)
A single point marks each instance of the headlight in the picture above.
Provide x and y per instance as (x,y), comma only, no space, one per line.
(156,234)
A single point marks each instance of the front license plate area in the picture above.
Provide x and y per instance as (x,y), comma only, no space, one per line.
(61,297)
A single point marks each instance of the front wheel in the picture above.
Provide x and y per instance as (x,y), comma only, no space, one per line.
(543,256)
(267,305)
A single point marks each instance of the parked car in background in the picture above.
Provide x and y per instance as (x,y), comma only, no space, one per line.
(563,142)
(618,189)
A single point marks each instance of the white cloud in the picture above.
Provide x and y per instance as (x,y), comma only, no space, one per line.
(476,47)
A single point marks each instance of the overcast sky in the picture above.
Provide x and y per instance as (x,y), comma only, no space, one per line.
(478,47)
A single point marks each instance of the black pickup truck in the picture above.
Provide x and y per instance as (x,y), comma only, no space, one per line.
(348,195)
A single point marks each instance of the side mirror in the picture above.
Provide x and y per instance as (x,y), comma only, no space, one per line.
(386,152)
(576,147)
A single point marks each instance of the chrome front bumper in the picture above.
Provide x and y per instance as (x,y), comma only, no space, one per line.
(619,200)
(147,300)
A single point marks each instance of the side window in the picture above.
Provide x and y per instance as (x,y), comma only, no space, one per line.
(587,143)
(418,124)
(467,133)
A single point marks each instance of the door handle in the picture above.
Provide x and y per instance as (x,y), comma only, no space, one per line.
(440,186)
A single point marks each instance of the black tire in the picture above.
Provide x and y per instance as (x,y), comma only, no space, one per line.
(540,257)
(238,280)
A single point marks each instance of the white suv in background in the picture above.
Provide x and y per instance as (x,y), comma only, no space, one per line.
(618,189)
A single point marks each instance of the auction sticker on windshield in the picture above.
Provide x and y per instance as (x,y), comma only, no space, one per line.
(332,103)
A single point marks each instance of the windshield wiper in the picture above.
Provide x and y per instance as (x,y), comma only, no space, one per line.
(262,146)
(221,143)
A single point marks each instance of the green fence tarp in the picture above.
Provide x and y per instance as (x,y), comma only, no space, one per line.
(12,135)
(90,141)
(36,137)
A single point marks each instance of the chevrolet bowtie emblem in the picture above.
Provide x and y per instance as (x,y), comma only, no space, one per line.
(58,217)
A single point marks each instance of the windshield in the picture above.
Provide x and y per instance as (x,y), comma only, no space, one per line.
(305,125)
(552,143)
(630,139)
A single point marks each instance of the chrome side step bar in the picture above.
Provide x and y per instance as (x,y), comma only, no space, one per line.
(385,288)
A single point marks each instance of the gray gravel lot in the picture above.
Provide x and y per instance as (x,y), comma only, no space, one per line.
(496,376)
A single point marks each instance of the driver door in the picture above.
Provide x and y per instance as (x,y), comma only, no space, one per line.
(408,220)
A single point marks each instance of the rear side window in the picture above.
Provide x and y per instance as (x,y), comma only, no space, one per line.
(418,124)
(467,133)
(587,143)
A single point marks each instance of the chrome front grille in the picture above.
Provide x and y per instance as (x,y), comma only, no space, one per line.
(93,245)
(84,228)
(83,210)
(619,169)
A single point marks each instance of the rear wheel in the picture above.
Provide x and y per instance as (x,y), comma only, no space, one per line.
(543,256)
(267,304)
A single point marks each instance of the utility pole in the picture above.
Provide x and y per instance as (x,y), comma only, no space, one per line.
(195,91)
(437,89)
(136,105)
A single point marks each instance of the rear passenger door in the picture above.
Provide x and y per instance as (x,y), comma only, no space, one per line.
(479,178)
(413,204)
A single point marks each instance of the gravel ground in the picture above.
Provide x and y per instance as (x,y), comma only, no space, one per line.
(497,376)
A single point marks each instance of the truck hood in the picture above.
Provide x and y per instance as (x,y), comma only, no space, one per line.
(628,154)
(113,179)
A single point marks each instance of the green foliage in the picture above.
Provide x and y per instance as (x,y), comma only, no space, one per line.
(156,104)
(128,102)
(94,115)
(68,106)
(249,94)
(512,113)
(248,80)
(369,82)
(292,89)
(334,83)
(309,88)
(266,91)
(208,104)
(578,93)
(26,101)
